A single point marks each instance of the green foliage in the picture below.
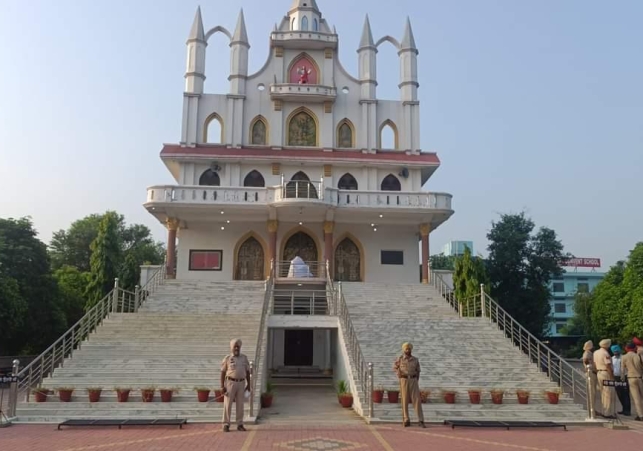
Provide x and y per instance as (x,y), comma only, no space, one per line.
(72,285)
(105,259)
(439,261)
(72,247)
(633,296)
(343,387)
(607,317)
(520,266)
(469,273)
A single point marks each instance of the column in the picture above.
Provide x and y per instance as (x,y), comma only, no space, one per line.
(172,226)
(272,240)
(329,226)
(424,233)
(328,365)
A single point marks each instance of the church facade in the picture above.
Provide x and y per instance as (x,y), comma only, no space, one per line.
(292,162)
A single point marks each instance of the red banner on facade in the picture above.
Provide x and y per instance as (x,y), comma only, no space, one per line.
(583,262)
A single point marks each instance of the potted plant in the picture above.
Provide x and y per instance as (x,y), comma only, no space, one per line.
(449,396)
(553,395)
(393,395)
(218,395)
(122,393)
(40,394)
(344,395)
(202,393)
(523,396)
(474,395)
(378,395)
(166,394)
(147,394)
(425,395)
(94,393)
(266,396)
(64,393)
(496,395)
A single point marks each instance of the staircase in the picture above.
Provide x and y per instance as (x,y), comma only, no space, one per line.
(455,354)
(176,340)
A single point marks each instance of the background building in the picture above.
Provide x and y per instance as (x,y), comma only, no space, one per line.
(455,248)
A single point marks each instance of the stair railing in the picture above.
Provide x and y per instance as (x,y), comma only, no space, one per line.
(117,300)
(569,379)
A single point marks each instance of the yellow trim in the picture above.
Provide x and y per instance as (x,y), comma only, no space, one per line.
(395,133)
(206,124)
(264,247)
(360,248)
(311,114)
(265,123)
(351,126)
(293,231)
(310,59)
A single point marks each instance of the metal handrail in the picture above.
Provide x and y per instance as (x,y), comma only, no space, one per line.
(300,302)
(569,379)
(316,270)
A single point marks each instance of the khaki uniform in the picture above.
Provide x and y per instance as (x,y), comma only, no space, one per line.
(408,370)
(236,368)
(632,364)
(593,381)
(608,396)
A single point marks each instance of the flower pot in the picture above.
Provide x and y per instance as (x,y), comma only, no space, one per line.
(41,396)
(449,398)
(496,398)
(65,395)
(523,398)
(266,400)
(166,395)
(346,401)
(378,396)
(474,397)
(147,395)
(94,395)
(424,397)
(552,397)
(203,395)
(218,396)
(393,396)
(122,395)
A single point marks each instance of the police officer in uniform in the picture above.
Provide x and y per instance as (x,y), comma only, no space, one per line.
(235,381)
(595,390)
(603,362)
(407,368)
(633,369)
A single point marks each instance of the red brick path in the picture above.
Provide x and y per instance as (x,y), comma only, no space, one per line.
(197,437)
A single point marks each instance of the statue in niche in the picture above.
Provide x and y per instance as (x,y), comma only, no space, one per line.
(303,75)
(302,130)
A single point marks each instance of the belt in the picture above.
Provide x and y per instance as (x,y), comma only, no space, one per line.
(408,377)
(600,370)
(634,377)
(234,380)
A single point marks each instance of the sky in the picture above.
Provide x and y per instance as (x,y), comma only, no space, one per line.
(532,106)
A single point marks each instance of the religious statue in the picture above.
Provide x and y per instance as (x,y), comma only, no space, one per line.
(303,75)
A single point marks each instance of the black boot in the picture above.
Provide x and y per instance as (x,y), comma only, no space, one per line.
(241,428)
(226,428)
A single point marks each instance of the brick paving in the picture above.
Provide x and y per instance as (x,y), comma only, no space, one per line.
(201,437)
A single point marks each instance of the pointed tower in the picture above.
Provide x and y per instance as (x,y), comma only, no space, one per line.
(239,47)
(304,15)
(409,85)
(196,44)
(367,63)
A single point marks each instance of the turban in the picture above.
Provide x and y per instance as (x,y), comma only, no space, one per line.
(637,341)
(407,345)
(234,342)
(605,343)
(615,349)
(630,347)
(588,346)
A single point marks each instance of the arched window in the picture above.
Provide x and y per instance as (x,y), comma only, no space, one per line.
(258,132)
(347,181)
(300,187)
(388,135)
(210,178)
(302,130)
(345,135)
(304,23)
(213,129)
(254,179)
(391,183)
(315,25)
(292,24)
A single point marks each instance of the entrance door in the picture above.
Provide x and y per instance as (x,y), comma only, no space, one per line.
(298,347)
(250,261)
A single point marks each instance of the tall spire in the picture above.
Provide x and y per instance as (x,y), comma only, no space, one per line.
(240,34)
(367,35)
(304,3)
(197,33)
(408,41)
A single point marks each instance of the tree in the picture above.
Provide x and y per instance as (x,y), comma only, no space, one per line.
(105,259)
(72,247)
(469,273)
(633,292)
(440,261)
(520,266)
(607,317)
(72,285)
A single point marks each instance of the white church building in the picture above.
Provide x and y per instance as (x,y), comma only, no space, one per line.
(290,162)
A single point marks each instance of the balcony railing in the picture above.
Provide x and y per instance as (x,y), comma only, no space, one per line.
(298,91)
(312,39)
(208,195)
(300,302)
(403,199)
(306,270)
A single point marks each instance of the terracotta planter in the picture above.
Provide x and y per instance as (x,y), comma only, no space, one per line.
(378,396)
(40,396)
(393,396)
(346,401)
(424,397)
(122,395)
(474,397)
(449,398)
(147,395)
(523,398)
(203,395)
(266,400)
(65,395)
(218,396)
(94,395)
(496,398)
(166,395)
(553,397)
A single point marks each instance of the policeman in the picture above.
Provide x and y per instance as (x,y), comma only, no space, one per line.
(603,362)
(595,390)
(633,368)
(407,368)
(235,380)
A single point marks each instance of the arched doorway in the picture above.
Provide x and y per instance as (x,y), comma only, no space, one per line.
(254,179)
(391,183)
(300,245)
(300,187)
(250,261)
(347,261)
(209,178)
(347,181)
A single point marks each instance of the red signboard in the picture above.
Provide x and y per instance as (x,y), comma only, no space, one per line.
(583,262)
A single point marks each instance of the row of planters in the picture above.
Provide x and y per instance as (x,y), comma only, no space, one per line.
(475,396)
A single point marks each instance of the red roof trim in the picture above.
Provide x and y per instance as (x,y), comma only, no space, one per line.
(424,159)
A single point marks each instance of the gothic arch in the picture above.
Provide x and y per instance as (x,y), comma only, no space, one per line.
(347,181)
(296,140)
(304,23)
(253,138)
(316,79)
(209,178)
(362,260)
(218,29)
(315,25)
(254,179)
(390,39)
(300,186)
(343,141)
(206,125)
(264,249)
(391,183)
(291,233)
(391,124)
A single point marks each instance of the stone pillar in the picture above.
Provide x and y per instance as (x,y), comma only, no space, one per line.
(424,233)
(172,226)
(329,226)
(272,240)
(328,365)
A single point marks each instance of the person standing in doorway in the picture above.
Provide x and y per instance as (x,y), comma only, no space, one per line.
(235,381)
(603,362)
(407,368)
(633,368)
(595,390)
(622,391)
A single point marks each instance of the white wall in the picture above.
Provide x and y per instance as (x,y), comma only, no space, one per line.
(276,355)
